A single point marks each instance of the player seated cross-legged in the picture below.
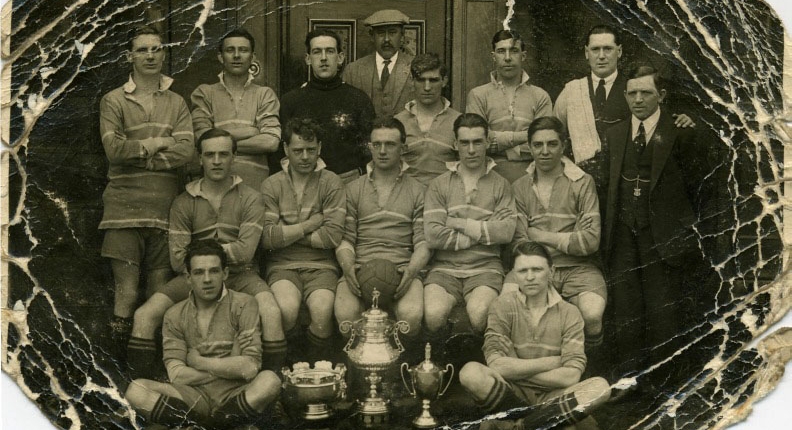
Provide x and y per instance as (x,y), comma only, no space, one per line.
(217,206)
(384,220)
(304,208)
(212,350)
(557,206)
(534,352)
(468,214)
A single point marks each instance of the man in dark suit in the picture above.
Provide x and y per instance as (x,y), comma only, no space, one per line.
(384,75)
(588,106)
(655,173)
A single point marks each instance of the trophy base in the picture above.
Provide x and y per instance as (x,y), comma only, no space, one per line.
(317,411)
(425,422)
(374,411)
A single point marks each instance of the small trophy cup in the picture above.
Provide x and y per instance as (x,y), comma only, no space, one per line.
(314,389)
(427,384)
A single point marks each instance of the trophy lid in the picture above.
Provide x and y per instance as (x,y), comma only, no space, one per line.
(427,365)
(375,315)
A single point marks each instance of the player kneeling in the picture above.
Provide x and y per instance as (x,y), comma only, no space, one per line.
(534,351)
(212,350)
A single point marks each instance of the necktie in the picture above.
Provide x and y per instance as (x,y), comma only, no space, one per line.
(599,96)
(385,73)
(640,139)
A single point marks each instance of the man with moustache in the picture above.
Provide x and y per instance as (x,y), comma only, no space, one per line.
(650,249)
(509,103)
(590,105)
(385,74)
(212,350)
(246,110)
(428,121)
(220,207)
(468,214)
(343,112)
(384,220)
(304,211)
(534,352)
(147,135)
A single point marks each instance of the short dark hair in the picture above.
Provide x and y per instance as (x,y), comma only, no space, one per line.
(427,62)
(322,32)
(528,248)
(205,247)
(506,35)
(547,123)
(390,122)
(141,30)
(213,133)
(306,128)
(238,32)
(602,29)
(639,70)
(470,120)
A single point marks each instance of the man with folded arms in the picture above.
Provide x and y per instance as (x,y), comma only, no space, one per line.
(212,350)
(534,353)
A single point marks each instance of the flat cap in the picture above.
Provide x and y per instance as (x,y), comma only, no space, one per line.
(386,17)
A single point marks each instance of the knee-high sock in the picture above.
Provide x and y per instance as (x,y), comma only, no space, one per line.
(141,357)
(171,412)
(500,398)
(318,347)
(234,412)
(273,355)
(560,411)
(120,331)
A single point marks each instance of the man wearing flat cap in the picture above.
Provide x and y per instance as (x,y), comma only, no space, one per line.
(384,75)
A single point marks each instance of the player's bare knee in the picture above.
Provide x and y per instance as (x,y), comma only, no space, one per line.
(148,317)
(268,306)
(435,317)
(475,378)
(263,389)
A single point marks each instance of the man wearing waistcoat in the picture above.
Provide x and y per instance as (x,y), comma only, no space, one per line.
(588,106)
(384,75)
(655,172)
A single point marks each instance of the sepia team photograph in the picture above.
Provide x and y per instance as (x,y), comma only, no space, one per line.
(412,214)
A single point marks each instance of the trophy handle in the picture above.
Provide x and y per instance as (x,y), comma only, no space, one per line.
(411,387)
(449,367)
(400,326)
(344,327)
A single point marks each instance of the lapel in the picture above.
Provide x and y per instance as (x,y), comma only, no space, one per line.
(662,142)
(401,71)
(369,69)
(617,147)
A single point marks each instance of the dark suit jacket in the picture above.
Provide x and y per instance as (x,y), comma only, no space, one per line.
(679,166)
(362,74)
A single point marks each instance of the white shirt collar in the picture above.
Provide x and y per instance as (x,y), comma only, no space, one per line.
(523,80)
(194,187)
(608,80)
(410,106)
(381,62)
(221,76)
(164,83)
(454,165)
(650,124)
(571,170)
(320,164)
(370,168)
